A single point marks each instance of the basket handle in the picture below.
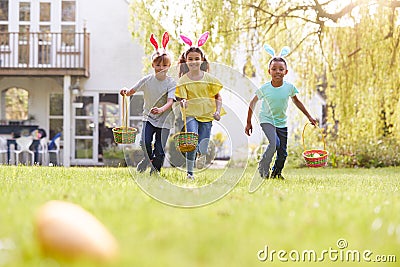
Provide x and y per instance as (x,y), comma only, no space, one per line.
(322,134)
(183,110)
(124,113)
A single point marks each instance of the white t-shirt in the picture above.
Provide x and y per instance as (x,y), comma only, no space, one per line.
(156,93)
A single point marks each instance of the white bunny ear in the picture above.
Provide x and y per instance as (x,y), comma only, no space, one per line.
(285,51)
(269,50)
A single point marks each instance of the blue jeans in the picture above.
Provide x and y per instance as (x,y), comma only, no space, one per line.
(203,129)
(277,138)
(157,155)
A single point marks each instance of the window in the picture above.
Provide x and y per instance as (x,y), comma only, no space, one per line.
(24,11)
(4,22)
(56,114)
(44,55)
(3,10)
(23,47)
(4,35)
(68,35)
(45,11)
(44,35)
(56,105)
(15,107)
(84,127)
(136,111)
(68,18)
(68,11)
(24,32)
(44,47)
(109,110)
(45,29)
(108,119)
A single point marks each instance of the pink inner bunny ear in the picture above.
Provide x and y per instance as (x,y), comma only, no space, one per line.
(203,39)
(186,40)
(153,41)
(165,40)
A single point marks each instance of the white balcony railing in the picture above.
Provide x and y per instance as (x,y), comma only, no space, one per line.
(34,50)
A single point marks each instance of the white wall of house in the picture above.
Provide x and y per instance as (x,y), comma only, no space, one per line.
(115,60)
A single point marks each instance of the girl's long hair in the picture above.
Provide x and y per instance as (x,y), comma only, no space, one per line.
(183,68)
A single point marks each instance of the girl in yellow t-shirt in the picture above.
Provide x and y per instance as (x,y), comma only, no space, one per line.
(198,92)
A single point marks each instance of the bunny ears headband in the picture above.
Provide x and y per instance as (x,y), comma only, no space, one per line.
(202,40)
(284,52)
(165,40)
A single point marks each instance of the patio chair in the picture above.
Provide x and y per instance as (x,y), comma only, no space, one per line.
(54,147)
(43,152)
(3,151)
(23,144)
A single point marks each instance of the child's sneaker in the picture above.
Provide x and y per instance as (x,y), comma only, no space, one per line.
(190,176)
(153,171)
(142,165)
(277,175)
(263,173)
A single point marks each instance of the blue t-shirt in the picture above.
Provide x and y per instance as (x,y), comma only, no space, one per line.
(275,103)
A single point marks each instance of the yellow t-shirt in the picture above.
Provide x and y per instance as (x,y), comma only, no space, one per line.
(200,96)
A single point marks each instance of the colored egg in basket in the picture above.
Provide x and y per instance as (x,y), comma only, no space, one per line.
(315,158)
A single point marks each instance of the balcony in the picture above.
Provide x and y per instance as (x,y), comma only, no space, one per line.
(44,54)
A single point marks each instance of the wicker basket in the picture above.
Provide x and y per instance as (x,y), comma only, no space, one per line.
(315,157)
(185,141)
(124,134)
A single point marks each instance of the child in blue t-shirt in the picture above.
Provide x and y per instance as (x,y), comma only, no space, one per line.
(274,96)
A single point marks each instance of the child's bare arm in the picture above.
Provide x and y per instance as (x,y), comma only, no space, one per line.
(303,109)
(252,105)
(156,110)
(218,104)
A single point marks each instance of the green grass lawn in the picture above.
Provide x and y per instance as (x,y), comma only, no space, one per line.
(311,210)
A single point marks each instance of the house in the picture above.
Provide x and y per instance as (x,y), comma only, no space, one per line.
(66,61)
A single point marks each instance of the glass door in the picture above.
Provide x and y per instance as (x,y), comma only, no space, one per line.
(85,130)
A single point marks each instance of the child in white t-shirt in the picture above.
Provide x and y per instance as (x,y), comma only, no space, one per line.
(158,93)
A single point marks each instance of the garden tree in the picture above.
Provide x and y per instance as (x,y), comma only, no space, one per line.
(363,86)
(188,18)
(347,51)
